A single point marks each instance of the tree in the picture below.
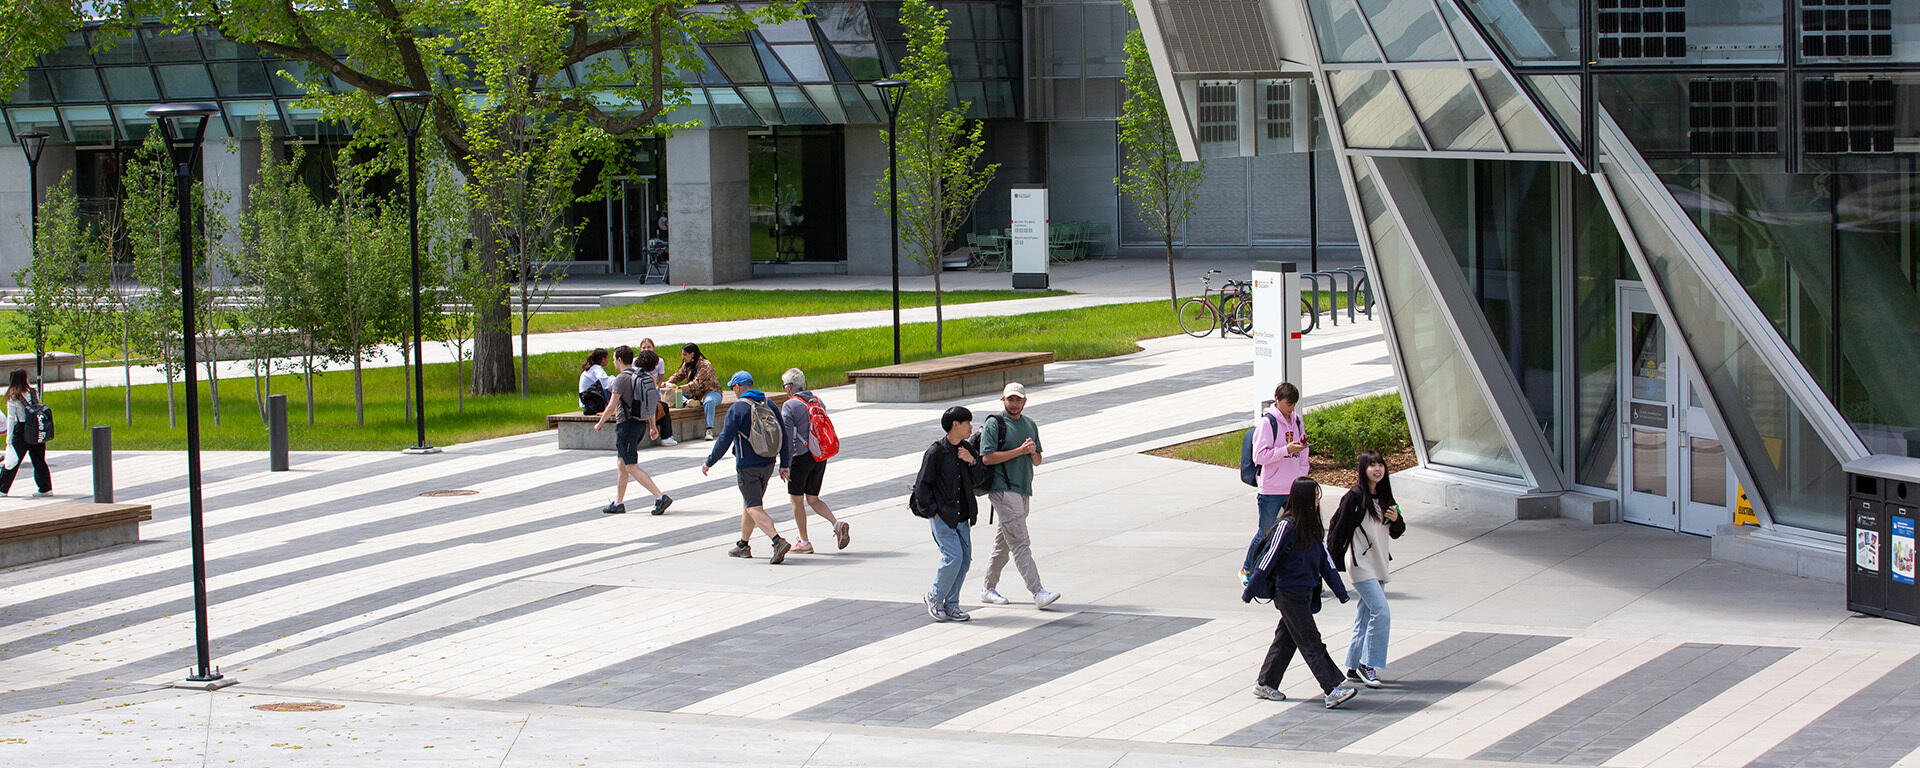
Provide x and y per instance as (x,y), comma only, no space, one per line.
(361,273)
(275,231)
(1162,186)
(152,222)
(50,276)
(939,153)
(458,288)
(624,57)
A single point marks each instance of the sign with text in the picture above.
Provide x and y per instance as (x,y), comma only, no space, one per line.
(1276,330)
(1029,235)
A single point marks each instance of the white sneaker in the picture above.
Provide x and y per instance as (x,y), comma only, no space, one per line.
(669,442)
(1043,598)
(992,597)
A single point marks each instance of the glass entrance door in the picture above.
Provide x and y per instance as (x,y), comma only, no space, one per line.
(1675,469)
(1649,415)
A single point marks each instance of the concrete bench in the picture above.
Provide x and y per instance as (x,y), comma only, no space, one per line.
(58,366)
(945,378)
(689,423)
(67,528)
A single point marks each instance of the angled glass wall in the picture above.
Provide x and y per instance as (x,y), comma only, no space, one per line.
(1455,425)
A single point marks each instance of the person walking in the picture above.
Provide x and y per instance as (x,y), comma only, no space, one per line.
(1366,520)
(21,395)
(803,473)
(943,493)
(1292,565)
(698,382)
(633,396)
(1010,448)
(594,383)
(745,433)
(1280,450)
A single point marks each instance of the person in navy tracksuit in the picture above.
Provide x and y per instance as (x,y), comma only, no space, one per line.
(1295,562)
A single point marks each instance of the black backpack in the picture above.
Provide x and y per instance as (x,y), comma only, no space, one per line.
(38,425)
(594,400)
(983,481)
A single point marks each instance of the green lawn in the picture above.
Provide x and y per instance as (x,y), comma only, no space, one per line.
(826,357)
(1338,432)
(707,306)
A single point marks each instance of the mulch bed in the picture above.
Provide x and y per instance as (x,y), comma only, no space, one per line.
(1341,474)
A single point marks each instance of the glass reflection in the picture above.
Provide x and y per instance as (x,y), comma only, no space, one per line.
(1373,114)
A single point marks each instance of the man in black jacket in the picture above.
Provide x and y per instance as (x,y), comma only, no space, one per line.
(943,492)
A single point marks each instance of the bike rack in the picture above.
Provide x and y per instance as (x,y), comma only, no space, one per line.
(1356,277)
(1313,289)
(1359,287)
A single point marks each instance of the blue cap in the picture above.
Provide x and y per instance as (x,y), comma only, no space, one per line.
(740,379)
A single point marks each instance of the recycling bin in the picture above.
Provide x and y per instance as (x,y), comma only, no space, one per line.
(1883,495)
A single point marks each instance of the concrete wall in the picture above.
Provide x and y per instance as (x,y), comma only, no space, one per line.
(707,206)
(867,225)
(14,209)
(1082,159)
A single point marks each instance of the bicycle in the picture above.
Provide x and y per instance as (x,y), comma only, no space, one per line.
(1228,308)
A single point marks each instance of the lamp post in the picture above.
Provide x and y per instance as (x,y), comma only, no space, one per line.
(33,143)
(183,126)
(410,110)
(890,93)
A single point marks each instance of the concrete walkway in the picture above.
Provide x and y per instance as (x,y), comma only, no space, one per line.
(518,626)
(1093,283)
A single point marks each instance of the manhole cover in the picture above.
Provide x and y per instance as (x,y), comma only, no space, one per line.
(298,706)
(438,494)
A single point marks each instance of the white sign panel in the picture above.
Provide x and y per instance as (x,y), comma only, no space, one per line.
(1276,331)
(1029,235)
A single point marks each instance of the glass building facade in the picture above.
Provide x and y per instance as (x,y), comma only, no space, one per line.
(1664,252)
(794,101)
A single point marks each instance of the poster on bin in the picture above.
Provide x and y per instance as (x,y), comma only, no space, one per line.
(1866,550)
(1903,550)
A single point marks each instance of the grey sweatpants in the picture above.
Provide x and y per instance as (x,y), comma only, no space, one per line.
(1011,539)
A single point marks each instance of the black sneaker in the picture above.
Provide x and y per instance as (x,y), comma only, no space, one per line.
(780,547)
(1353,676)
(740,550)
(660,504)
(1369,676)
(615,508)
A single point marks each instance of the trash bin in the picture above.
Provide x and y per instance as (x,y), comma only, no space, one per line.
(1867,531)
(1882,499)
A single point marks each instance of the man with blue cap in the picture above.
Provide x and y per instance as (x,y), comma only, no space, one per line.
(753,432)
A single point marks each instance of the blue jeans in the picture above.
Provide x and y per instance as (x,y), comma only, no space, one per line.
(1270,507)
(1371,625)
(956,556)
(710,402)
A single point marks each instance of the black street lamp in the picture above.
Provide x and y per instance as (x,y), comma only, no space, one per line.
(183,126)
(890,93)
(33,143)
(410,110)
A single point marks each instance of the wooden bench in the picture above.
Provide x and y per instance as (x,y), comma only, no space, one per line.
(58,366)
(946,378)
(67,528)
(689,423)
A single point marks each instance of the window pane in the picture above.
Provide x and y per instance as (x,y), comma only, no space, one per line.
(241,78)
(1541,31)
(1409,30)
(1525,132)
(1450,109)
(71,85)
(1650,461)
(1707,472)
(168,45)
(804,62)
(737,63)
(1373,114)
(1342,31)
(1599,260)
(186,81)
(130,83)
(1878,234)
(1454,421)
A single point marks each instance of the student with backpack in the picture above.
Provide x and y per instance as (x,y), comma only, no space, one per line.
(1010,448)
(633,396)
(29,427)
(811,440)
(752,431)
(1364,524)
(943,494)
(594,383)
(1293,563)
(1277,451)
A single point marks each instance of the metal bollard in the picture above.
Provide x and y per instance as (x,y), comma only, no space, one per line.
(102,465)
(277,433)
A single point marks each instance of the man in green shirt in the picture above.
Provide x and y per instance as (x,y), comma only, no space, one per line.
(1010,445)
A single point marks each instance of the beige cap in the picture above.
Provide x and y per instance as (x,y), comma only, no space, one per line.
(1014,389)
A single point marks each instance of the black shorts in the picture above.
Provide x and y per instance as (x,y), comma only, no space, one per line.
(805,475)
(753,484)
(626,440)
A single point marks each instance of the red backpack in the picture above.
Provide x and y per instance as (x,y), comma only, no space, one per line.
(826,442)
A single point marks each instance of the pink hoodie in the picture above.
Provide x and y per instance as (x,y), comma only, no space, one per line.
(1277,469)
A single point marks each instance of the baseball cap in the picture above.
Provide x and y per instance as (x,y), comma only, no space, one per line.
(1015,389)
(740,379)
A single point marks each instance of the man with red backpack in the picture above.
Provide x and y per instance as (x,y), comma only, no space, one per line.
(810,441)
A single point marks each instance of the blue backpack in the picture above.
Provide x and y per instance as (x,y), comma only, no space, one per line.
(1249,471)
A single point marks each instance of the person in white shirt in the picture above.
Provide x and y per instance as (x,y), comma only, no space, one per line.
(595,384)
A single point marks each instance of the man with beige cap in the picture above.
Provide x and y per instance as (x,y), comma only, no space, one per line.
(1010,446)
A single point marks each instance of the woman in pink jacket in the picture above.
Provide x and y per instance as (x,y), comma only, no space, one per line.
(1280,449)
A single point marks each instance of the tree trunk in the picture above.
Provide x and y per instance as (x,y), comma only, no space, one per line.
(406,380)
(525,287)
(460,375)
(171,422)
(359,394)
(83,383)
(307,366)
(492,338)
(1173,292)
(126,369)
(939,328)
